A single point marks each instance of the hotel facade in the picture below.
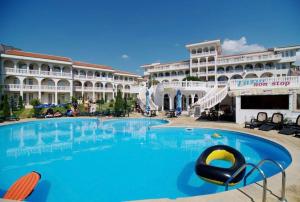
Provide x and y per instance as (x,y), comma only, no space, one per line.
(55,79)
(230,81)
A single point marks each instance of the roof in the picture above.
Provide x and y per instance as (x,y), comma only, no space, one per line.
(84,64)
(204,43)
(37,55)
(127,73)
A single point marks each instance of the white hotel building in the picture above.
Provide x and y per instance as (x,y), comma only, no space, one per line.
(228,80)
(55,79)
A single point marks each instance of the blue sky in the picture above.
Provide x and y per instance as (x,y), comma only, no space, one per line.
(127,34)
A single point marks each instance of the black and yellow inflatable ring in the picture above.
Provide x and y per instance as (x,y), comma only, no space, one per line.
(219,175)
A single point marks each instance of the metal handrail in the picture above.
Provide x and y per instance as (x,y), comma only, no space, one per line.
(254,168)
(283,179)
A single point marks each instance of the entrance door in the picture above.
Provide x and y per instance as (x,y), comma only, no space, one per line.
(49,98)
(166,102)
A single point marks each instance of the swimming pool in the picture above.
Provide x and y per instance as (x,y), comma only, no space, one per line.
(84,159)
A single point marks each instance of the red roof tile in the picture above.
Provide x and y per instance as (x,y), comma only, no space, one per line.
(37,55)
(83,64)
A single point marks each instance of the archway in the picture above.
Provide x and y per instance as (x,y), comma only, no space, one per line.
(166,103)
(196,98)
(266,74)
(8,64)
(236,76)
(249,76)
(183,101)
(11,80)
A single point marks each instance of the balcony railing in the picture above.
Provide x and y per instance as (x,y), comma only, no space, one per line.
(169,67)
(204,53)
(76,76)
(36,72)
(222,61)
(25,87)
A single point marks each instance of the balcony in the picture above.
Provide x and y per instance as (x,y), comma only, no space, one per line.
(63,88)
(76,76)
(26,72)
(25,87)
(48,88)
(203,53)
(169,67)
(224,61)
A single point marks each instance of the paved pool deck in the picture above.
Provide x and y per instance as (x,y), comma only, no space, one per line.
(251,192)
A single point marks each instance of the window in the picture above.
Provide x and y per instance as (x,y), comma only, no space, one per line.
(265,102)
(298,101)
(30,97)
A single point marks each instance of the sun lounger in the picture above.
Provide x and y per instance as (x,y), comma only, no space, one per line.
(261,118)
(276,123)
(57,114)
(290,129)
(23,187)
(171,114)
(2,119)
(12,118)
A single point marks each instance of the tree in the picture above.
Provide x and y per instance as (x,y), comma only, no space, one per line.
(119,103)
(6,109)
(12,104)
(100,103)
(20,103)
(191,78)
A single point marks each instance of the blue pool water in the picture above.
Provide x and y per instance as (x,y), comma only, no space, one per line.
(119,160)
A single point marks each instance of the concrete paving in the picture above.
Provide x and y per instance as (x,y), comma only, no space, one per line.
(251,192)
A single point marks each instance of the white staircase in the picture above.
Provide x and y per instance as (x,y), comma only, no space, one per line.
(212,98)
(142,98)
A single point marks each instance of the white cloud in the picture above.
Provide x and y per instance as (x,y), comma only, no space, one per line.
(124,56)
(239,46)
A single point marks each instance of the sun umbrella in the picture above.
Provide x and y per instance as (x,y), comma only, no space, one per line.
(179,104)
(147,101)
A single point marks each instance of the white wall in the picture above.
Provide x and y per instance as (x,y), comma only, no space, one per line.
(243,115)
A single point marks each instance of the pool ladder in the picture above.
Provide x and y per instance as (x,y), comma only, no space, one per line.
(257,167)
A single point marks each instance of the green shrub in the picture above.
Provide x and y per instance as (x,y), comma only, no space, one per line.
(6,109)
(20,103)
(62,110)
(34,103)
(119,104)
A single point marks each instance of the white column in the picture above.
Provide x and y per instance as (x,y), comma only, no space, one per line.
(21,86)
(15,65)
(163,99)
(40,89)
(198,67)
(171,102)
(206,68)
(216,57)
(39,66)
(55,93)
